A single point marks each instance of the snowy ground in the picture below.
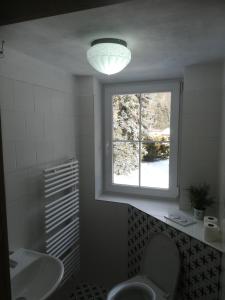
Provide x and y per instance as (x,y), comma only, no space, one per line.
(153,174)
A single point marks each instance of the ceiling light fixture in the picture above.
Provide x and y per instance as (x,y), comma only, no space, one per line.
(108,56)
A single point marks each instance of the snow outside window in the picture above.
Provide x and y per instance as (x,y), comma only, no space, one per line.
(141,138)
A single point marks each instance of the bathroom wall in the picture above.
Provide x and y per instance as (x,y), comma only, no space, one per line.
(202,137)
(42,108)
(47,117)
(200,129)
(222,156)
(222,282)
(103,225)
(200,272)
(199,161)
(39,126)
(222,181)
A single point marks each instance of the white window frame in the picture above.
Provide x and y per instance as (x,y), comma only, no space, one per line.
(172,86)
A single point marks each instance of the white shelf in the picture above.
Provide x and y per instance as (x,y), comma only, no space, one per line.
(161,208)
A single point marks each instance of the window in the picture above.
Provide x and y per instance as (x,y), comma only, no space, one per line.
(141,138)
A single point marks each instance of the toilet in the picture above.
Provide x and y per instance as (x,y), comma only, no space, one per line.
(159,273)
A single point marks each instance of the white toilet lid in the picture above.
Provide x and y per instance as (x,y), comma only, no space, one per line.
(161,263)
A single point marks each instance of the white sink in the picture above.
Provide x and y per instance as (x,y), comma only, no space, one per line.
(35,276)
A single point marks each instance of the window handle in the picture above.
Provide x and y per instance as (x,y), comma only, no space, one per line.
(107,147)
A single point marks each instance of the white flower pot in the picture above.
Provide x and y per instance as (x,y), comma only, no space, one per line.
(199,214)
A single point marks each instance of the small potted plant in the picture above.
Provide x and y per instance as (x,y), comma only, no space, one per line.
(200,199)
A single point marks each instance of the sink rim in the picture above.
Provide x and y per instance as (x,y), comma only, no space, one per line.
(32,257)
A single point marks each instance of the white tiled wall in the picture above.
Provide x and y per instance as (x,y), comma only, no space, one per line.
(222,183)
(40,128)
(103,225)
(200,128)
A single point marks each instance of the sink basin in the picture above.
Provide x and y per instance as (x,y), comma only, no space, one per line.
(35,276)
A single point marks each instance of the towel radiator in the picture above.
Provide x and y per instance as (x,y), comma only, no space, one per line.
(62,225)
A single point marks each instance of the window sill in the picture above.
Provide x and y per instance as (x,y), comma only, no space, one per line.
(161,208)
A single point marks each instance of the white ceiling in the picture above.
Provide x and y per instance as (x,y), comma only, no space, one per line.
(163,35)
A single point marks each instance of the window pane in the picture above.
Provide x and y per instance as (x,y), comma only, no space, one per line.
(126,163)
(155,164)
(126,117)
(155,115)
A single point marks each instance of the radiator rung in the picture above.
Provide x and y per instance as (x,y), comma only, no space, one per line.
(71,226)
(73,193)
(53,174)
(61,185)
(61,203)
(72,163)
(71,172)
(60,210)
(74,257)
(64,248)
(62,215)
(51,184)
(66,235)
(70,237)
(55,224)
(69,240)
(71,269)
(62,189)
(72,261)
(74,227)
(73,252)
(67,276)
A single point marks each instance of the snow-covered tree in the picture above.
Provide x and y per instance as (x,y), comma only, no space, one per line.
(139,117)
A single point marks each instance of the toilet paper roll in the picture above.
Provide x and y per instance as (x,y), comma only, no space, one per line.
(210,219)
(211,232)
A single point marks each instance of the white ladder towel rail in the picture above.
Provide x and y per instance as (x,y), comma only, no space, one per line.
(62,225)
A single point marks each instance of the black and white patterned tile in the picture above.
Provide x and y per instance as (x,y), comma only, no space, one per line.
(87,291)
(137,239)
(205,270)
(80,290)
(200,264)
(182,242)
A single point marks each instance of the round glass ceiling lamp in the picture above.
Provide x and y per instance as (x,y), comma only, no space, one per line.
(108,56)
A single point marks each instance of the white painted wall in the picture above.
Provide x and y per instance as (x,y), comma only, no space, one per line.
(203,137)
(222,158)
(39,128)
(200,129)
(103,224)
(98,134)
(41,107)
(222,182)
